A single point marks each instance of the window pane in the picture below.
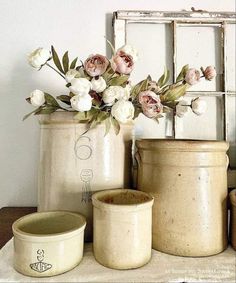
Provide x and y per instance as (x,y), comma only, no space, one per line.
(200,46)
(230,56)
(232,129)
(207,126)
(154,44)
(148,128)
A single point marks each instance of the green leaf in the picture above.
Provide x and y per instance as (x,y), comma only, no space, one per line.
(182,73)
(73,63)
(65,62)
(137,112)
(118,81)
(50,100)
(46,110)
(56,60)
(107,125)
(87,115)
(164,78)
(102,116)
(29,114)
(64,98)
(115,125)
(174,93)
(141,86)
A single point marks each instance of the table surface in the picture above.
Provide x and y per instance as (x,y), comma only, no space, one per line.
(161,268)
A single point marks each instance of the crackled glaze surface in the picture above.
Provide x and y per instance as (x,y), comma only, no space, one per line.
(188,182)
(73,166)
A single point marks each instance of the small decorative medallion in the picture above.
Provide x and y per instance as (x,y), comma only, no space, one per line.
(40,266)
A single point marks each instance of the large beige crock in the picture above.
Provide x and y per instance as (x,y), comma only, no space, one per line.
(122,228)
(189,183)
(232,197)
(48,243)
(73,166)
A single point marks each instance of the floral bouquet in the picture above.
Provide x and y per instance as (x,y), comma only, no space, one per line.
(99,89)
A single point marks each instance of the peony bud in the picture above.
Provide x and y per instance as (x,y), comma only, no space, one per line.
(39,57)
(98,85)
(182,108)
(192,76)
(209,73)
(37,98)
(81,102)
(199,106)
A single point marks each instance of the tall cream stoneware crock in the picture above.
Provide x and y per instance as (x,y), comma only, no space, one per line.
(188,181)
(73,166)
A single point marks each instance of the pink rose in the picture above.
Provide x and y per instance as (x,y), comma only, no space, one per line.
(192,76)
(122,63)
(151,103)
(209,73)
(96,65)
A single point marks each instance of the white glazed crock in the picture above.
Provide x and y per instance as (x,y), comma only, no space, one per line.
(48,243)
(122,228)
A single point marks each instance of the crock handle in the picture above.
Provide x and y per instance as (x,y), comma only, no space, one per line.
(138,158)
(227,161)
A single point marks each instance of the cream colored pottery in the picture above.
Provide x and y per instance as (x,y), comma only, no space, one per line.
(73,166)
(188,180)
(232,197)
(122,228)
(48,243)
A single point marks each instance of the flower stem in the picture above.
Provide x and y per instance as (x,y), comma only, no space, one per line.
(55,70)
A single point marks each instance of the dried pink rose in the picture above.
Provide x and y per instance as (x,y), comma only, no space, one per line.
(122,63)
(96,65)
(192,76)
(209,73)
(151,103)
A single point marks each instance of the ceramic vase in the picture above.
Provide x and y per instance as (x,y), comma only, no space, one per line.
(232,197)
(188,180)
(74,165)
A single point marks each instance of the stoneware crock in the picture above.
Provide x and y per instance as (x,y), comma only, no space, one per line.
(74,164)
(48,243)
(232,197)
(188,180)
(122,228)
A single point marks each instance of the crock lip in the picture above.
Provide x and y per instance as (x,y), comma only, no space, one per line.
(121,207)
(68,233)
(232,197)
(182,144)
(63,117)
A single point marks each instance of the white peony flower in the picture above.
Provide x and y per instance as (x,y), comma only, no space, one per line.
(37,98)
(130,50)
(70,75)
(123,111)
(114,92)
(39,57)
(182,108)
(80,86)
(199,106)
(81,102)
(98,85)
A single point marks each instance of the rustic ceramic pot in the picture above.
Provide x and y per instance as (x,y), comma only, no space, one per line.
(48,243)
(73,166)
(232,197)
(188,180)
(122,228)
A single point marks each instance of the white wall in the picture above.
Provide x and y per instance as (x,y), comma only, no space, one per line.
(77,25)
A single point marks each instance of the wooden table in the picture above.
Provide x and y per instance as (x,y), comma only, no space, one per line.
(7,216)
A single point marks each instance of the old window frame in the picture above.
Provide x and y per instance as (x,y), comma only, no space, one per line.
(122,18)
